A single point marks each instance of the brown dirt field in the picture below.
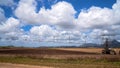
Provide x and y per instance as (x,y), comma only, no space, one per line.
(10,65)
(57,53)
(88,50)
(43,51)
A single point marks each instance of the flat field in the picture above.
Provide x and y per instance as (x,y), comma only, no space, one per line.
(60,57)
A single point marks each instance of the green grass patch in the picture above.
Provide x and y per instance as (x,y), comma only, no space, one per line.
(62,63)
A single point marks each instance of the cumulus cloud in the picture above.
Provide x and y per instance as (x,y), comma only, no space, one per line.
(95,17)
(47,33)
(53,24)
(10,30)
(43,30)
(9,25)
(60,14)
(102,19)
(43,33)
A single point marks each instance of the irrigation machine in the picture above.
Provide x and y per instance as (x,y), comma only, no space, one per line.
(106,45)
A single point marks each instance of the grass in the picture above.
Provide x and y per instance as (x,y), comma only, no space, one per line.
(62,63)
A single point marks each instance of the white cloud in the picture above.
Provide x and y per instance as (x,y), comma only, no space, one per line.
(100,18)
(9,25)
(47,33)
(43,30)
(10,30)
(26,11)
(47,23)
(60,14)
(96,17)
(116,9)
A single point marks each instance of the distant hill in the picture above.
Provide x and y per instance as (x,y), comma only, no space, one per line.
(112,44)
(90,45)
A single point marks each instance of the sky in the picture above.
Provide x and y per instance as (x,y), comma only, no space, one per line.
(35,23)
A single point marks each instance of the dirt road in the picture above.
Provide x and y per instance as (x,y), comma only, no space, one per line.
(9,65)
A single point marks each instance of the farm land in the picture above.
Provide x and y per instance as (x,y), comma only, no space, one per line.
(60,57)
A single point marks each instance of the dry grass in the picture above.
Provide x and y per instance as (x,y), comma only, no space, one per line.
(10,65)
(62,63)
(61,57)
(117,50)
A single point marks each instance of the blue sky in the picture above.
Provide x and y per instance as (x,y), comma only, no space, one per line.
(77,4)
(58,20)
